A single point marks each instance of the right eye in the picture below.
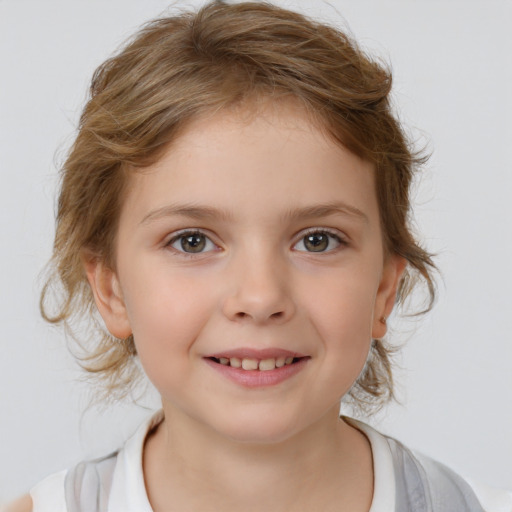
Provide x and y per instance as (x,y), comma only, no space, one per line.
(192,242)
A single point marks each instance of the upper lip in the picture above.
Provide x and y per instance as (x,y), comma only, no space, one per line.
(252,353)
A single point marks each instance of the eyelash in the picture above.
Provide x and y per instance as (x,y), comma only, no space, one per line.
(184,234)
(324,231)
(189,233)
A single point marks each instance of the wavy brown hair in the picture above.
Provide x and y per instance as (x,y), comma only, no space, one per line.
(179,67)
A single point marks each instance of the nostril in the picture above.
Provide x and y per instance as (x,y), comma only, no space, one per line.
(275,316)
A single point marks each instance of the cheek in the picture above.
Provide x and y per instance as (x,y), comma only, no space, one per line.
(343,305)
(342,316)
(166,314)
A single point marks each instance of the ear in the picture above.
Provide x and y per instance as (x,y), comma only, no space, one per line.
(107,295)
(393,270)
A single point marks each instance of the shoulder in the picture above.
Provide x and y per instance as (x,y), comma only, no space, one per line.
(23,504)
(443,488)
(79,488)
(492,499)
(420,483)
(87,484)
(76,487)
(48,495)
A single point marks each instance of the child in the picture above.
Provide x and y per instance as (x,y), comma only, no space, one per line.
(236,206)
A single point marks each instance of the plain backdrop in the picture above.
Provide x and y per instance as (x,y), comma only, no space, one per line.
(452,85)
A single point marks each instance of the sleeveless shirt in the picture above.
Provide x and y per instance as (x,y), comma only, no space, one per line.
(403,481)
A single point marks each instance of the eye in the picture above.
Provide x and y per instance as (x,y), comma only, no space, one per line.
(191,242)
(318,241)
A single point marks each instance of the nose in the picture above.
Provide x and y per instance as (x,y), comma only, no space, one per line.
(259,291)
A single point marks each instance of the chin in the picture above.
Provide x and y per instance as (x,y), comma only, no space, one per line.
(258,429)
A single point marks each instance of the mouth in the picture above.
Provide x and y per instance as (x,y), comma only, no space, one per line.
(254,364)
(257,368)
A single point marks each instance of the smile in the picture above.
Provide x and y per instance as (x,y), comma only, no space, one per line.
(254,369)
(248,363)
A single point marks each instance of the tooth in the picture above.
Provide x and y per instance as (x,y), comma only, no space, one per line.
(235,362)
(267,364)
(224,360)
(288,360)
(249,364)
(280,362)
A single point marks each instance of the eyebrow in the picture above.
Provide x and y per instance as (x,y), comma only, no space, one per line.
(199,212)
(327,209)
(191,211)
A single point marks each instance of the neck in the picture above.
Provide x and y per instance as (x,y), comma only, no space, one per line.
(190,467)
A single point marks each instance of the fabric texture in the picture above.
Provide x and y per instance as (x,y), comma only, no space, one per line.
(87,485)
(424,485)
(404,482)
(48,495)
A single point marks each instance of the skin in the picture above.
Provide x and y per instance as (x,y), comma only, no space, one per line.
(23,504)
(255,183)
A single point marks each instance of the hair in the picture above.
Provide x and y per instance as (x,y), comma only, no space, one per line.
(178,68)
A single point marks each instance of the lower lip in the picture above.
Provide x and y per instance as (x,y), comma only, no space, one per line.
(259,378)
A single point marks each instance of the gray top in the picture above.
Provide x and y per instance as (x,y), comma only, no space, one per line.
(424,485)
(421,484)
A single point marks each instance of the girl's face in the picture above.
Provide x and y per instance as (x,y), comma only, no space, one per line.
(252,241)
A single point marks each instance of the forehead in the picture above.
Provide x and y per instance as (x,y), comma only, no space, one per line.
(258,160)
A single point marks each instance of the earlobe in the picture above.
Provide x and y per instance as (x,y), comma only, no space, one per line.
(107,295)
(386,295)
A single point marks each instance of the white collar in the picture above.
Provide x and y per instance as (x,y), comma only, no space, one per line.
(128,491)
(383,468)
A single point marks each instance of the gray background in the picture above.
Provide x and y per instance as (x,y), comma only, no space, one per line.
(452,69)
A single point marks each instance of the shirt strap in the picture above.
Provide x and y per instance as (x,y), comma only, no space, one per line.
(87,485)
(424,485)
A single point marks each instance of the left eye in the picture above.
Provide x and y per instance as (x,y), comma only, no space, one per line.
(192,242)
(318,241)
